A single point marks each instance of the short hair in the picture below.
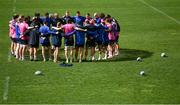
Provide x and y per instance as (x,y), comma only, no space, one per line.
(36,14)
(26,19)
(59,23)
(95,14)
(56,14)
(46,14)
(88,14)
(45,22)
(78,12)
(29,17)
(69,21)
(109,20)
(67,12)
(51,15)
(15,16)
(108,16)
(21,16)
(102,15)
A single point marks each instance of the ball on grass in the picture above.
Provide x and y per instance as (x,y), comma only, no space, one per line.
(142,73)
(139,59)
(163,54)
(38,73)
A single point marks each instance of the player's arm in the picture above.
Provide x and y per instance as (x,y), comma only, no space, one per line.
(71,33)
(56,28)
(80,29)
(31,27)
(52,32)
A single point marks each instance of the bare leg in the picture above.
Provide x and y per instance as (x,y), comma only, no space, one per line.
(30,53)
(35,54)
(105,52)
(86,53)
(23,51)
(17,50)
(56,54)
(20,51)
(93,53)
(116,49)
(110,51)
(43,53)
(12,48)
(80,54)
(113,50)
(71,54)
(100,51)
(66,54)
(76,53)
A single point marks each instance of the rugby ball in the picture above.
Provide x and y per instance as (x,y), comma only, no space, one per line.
(38,73)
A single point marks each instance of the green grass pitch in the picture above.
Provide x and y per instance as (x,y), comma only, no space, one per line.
(146,32)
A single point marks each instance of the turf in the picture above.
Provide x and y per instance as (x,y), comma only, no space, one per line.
(145,33)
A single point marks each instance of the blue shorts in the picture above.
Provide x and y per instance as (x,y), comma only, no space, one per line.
(111,42)
(90,43)
(69,41)
(17,40)
(56,45)
(23,42)
(117,39)
(105,43)
(99,42)
(79,45)
(34,45)
(13,40)
(46,44)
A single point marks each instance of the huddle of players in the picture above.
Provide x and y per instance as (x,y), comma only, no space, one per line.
(100,32)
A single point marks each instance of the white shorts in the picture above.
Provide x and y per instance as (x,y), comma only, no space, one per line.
(68,48)
(21,45)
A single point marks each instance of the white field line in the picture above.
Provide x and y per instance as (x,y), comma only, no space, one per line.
(14,6)
(159,11)
(6,88)
(14,9)
(89,104)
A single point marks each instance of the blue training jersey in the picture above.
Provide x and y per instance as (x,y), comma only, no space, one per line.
(56,39)
(66,18)
(17,30)
(91,30)
(46,19)
(45,34)
(105,33)
(79,20)
(97,20)
(79,37)
(102,33)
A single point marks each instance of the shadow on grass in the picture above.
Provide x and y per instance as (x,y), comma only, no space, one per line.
(131,54)
(124,55)
(127,55)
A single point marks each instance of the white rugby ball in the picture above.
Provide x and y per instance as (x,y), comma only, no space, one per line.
(139,59)
(163,54)
(38,72)
(142,73)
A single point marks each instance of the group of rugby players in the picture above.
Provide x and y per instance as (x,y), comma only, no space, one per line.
(100,32)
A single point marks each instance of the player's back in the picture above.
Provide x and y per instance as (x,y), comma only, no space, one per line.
(68,28)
